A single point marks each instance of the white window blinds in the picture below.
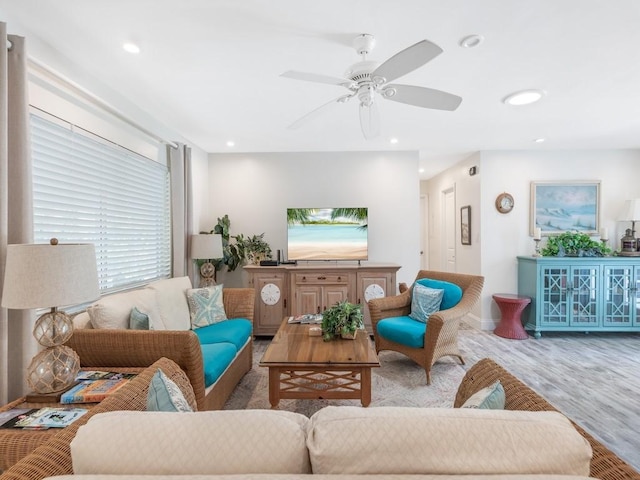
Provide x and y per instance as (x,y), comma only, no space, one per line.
(88,190)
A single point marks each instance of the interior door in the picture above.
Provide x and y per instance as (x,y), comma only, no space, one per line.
(449,229)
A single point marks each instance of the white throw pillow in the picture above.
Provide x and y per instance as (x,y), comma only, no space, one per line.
(171,298)
(492,397)
(114,311)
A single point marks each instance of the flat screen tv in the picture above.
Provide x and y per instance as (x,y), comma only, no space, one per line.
(327,233)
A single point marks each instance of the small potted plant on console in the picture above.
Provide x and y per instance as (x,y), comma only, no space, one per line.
(342,320)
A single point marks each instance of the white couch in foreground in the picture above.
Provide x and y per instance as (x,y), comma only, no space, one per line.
(335,441)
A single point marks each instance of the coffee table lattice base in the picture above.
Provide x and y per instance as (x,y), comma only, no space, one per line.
(321,383)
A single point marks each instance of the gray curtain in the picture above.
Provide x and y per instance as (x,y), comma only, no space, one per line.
(181,208)
(17,345)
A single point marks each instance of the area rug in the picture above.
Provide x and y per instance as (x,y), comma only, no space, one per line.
(397,382)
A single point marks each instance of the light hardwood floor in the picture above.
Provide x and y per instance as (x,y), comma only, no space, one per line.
(594,378)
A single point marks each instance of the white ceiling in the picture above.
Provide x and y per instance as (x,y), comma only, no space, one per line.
(209,69)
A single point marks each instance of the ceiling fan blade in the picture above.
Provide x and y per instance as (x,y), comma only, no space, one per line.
(369,120)
(318,111)
(421,97)
(317,78)
(406,61)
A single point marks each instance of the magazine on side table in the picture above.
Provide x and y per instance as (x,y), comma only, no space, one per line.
(315,318)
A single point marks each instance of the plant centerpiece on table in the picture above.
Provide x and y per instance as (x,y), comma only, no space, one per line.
(574,244)
(342,320)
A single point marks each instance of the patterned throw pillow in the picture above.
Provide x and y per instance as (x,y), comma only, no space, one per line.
(424,302)
(165,396)
(205,306)
(138,320)
(491,398)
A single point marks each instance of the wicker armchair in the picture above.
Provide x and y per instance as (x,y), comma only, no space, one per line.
(441,335)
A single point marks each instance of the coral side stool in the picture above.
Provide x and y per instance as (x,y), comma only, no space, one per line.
(511,306)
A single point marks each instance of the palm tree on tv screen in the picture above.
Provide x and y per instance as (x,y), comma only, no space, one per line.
(357,214)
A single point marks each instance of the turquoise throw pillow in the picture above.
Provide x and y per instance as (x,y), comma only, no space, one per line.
(138,320)
(424,302)
(452,292)
(491,398)
(165,396)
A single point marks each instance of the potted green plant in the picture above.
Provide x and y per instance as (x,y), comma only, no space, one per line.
(574,244)
(238,249)
(342,320)
(256,249)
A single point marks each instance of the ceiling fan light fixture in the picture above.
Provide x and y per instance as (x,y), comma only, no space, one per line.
(524,97)
(389,92)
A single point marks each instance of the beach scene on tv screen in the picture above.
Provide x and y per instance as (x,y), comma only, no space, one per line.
(327,233)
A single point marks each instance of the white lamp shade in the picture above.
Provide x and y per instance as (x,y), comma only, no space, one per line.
(631,211)
(41,275)
(206,246)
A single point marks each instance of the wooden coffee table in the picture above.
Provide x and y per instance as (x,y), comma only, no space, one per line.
(305,367)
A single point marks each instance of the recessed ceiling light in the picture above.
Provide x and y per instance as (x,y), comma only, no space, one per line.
(393,140)
(539,140)
(231,143)
(471,41)
(131,47)
(421,170)
(523,97)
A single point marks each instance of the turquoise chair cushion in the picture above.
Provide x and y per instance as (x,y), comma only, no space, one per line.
(403,330)
(452,292)
(236,331)
(216,357)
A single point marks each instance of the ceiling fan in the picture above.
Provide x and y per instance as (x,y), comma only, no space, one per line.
(368,81)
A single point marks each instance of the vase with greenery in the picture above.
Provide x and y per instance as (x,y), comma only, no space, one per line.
(342,320)
(256,249)
(574,244)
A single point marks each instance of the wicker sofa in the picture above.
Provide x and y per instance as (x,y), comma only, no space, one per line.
(54,457)
(104,348)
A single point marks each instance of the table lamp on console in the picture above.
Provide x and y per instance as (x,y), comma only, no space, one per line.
(206,247)
(630,213)
(50,276)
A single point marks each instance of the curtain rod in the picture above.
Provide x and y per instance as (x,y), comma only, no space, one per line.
(95,100)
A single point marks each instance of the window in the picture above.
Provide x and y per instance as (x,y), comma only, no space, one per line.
(89,190)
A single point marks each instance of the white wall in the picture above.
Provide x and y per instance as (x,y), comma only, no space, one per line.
(505,236)
(255,189)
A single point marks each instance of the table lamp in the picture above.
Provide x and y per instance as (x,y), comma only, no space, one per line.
(631,213)
(206,247)
(54,275)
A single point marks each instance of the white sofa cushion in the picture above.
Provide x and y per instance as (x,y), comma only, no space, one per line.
(114,311)
(297,476)
(171,298)
(405,440)
(208,442)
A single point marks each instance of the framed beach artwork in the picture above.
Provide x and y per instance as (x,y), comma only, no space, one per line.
(465,225)
(558,207)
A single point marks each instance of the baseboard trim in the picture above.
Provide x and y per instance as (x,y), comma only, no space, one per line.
(480,323)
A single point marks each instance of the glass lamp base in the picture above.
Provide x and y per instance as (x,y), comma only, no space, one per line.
(53,369)
(53,328)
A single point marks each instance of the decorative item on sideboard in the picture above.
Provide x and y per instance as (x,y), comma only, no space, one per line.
(537,236)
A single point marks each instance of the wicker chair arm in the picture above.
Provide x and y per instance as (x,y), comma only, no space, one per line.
(141,348)
(394,306)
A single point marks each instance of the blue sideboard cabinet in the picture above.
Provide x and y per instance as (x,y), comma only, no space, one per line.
(581,294)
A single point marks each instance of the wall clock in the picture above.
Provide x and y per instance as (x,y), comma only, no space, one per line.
(373,291)
(270,294)
(504,202)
